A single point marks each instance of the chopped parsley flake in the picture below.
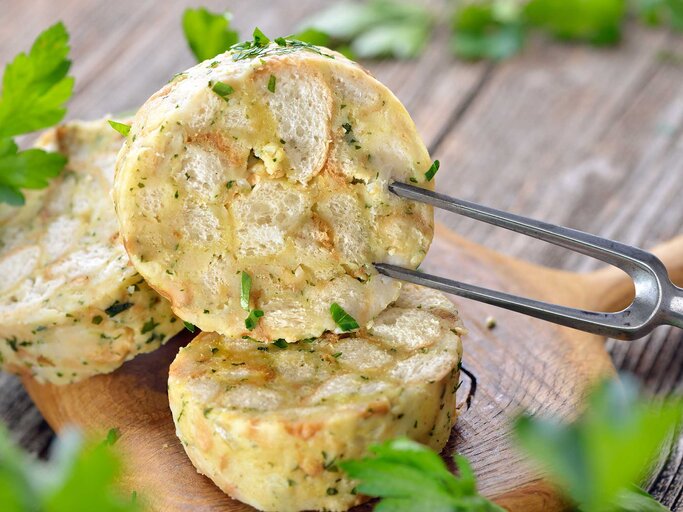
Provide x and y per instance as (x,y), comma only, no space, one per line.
(245,291)
(271,83)
(97,319)
(432,170)
(280,343)
(123,129)
(345,321)
(190,327)
(260,47)
(149,326)
(251,321)
(117,307)
(222,89)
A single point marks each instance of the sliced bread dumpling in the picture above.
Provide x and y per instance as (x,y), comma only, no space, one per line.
(71,303)
(268,423)
(275,164)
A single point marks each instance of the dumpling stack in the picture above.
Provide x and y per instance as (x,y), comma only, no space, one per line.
(252,192)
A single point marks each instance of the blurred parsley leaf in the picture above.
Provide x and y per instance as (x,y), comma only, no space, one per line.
(412,478)
(80,477)
(657,12)
(208,34)
(35,87)
(374,29)
(595,21)
(597,458)
(488,30)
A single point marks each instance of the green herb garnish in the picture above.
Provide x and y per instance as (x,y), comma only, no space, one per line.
(118,307)
(245,291)
(598,458)
(149,326)
(252,320)
(412,478)
(345,321)
(271,83)
(431,172)
(208,33)
(35,87)
(79,476)
(260,47)
(190,327)
(280,343)
(222,89)
(123,129)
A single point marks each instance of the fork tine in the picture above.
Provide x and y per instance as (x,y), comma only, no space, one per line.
(606,324)
(649,275)
(612,252)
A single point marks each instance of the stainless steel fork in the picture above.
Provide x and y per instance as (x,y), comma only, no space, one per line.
(657,300)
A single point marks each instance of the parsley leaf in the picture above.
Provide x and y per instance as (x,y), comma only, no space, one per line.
(35,86)
(487,30)
(190,327)
(345,321)
(123,129)
(208,34)
(378,28)
(597,22)
(412,478)
(597,458)
(25,169)
(34,90)
(79,476)
(271,83)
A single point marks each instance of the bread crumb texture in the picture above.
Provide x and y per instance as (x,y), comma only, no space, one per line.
(268,423)
(222,174)
(71,303)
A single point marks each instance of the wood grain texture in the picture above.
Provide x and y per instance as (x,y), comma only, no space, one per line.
(588,138)
(522,364)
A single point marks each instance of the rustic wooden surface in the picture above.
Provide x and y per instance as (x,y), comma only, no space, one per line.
(588,138)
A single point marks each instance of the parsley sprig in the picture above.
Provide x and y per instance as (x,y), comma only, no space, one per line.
(412,478)
(596,459)
(79,476)
(208,33)
(35,87)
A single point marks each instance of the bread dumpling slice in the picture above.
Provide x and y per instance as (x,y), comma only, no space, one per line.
(274,163)
(71,303)
(268,423)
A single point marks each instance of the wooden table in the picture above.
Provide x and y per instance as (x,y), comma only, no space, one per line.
(588,138)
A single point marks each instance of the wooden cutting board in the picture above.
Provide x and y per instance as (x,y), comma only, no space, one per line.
(520,364)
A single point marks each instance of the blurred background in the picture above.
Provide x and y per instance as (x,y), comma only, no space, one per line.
(570,111)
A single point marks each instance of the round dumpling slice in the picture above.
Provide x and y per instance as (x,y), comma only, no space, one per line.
(71,303)
(269,422)
(274,163)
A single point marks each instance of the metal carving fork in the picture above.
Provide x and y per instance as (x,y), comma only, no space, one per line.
(657,301)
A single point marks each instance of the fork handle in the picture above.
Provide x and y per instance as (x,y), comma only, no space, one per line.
(674,313)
